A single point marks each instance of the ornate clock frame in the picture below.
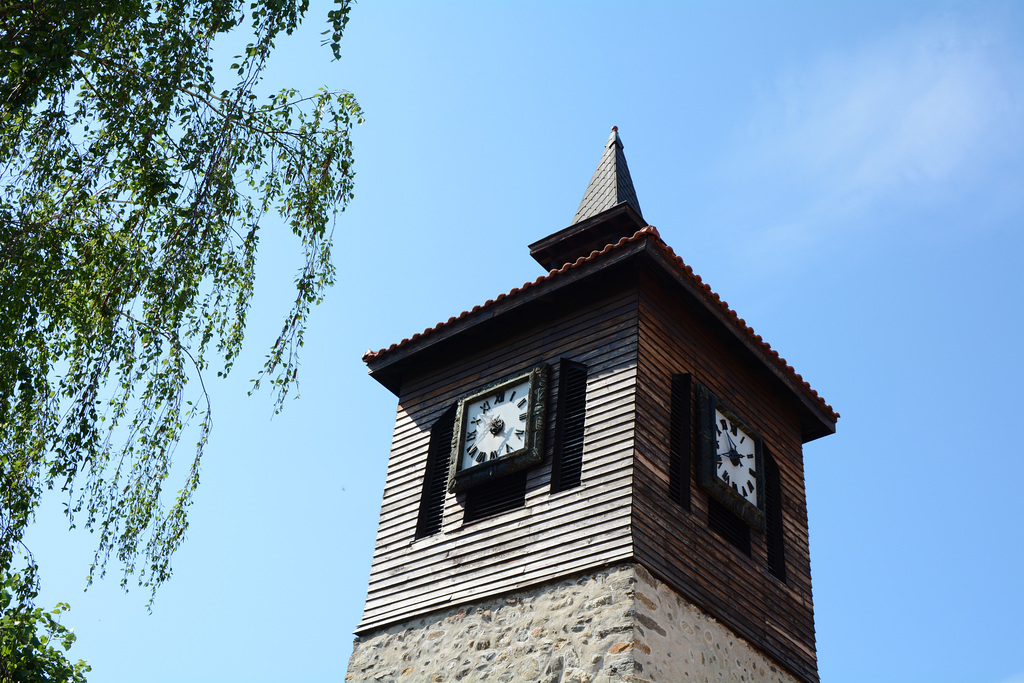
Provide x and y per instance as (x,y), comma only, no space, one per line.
(532,451)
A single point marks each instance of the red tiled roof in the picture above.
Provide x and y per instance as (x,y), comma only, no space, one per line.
(649,232)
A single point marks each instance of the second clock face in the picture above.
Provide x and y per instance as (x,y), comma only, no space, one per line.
(735,457)
(496,424)
(730,459)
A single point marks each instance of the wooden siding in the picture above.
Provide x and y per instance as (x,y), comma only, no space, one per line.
(676,544)
(554,533)
(634,327)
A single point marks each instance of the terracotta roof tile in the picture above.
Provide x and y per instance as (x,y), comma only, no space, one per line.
(649,232)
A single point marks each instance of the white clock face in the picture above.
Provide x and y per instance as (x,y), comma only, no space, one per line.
(495,424)
(735,461)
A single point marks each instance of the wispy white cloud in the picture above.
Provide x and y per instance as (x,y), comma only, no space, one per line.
(914,117)
(1018,678)
(912,109)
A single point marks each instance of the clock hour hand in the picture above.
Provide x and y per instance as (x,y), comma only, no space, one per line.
(735,457)
(497,425)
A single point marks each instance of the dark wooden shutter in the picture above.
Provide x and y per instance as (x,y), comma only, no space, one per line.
(774,547)
(679,442)
(728,525)
(495,496)
(435,479)
(567,467)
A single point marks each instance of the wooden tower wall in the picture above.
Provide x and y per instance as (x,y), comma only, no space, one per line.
(553,534)
(677,545)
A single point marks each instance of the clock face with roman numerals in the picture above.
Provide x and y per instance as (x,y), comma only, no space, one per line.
(499,429)
(496,424)
(730,459)
(736,457)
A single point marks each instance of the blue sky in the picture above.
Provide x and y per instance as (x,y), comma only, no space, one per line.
(848,176)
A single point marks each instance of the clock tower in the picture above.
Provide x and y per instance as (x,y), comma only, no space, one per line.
(595,476)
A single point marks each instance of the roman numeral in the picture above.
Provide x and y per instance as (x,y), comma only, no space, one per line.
(499,398)
(512,395)
(493,455)
(485,406)
(520,433)
(725,425)
(522,417)
(508,449)
(521,403)
(471,450)
(471,435)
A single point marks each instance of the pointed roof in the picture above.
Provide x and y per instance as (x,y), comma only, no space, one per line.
(610,185)
(609,211)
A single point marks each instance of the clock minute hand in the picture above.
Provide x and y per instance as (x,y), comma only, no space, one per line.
(732,444)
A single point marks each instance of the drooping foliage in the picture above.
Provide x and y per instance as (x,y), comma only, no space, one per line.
(32,638)
(133,188)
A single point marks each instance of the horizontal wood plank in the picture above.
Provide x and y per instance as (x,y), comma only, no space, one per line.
(679,546)
(587,526)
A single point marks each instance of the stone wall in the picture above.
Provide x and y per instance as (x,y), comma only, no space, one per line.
(615,624)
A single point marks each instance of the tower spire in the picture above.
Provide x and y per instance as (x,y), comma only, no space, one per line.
(610,184)
(609,211)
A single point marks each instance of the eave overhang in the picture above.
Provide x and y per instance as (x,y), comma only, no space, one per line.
(643,249)
(587,236)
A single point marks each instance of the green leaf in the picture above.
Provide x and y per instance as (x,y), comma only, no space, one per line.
(130,217)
